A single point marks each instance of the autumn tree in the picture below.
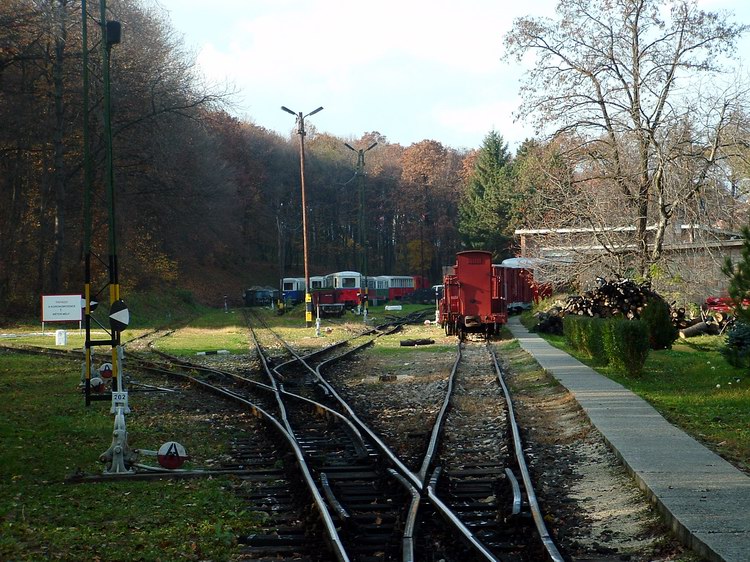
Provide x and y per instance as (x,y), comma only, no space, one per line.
(428,210)
(36,73)
(620,83)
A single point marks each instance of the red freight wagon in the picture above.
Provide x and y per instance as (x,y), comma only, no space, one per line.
(472,299)
(519,287)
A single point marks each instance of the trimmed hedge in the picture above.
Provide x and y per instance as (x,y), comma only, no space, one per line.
(584,334)
(626,345)
(662,333)
(623,344)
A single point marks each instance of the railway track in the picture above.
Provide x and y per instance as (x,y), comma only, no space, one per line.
(473,474)
(332,489)
(476,481)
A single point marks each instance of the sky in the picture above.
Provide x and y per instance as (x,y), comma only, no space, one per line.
(409,69)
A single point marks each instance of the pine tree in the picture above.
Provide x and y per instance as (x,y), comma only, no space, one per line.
(739,279)
(484,212)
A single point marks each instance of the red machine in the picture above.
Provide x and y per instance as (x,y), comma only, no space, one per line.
(472,296)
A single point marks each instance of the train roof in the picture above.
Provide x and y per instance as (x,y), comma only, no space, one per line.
(520,263)
(474,252)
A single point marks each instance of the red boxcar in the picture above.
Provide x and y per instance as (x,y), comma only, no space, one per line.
(473,300)
(520,290)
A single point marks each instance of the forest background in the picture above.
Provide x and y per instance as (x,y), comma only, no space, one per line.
(209,203)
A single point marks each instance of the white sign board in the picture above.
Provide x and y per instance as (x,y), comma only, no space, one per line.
(61,308)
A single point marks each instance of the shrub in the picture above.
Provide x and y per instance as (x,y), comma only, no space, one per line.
(185,296)
(594,340)
(572,331)
(661,331)
(737,348)
(626,345)
(739,278)
(584,334)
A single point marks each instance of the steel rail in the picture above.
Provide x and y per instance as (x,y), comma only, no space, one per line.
(410,477)
(429,458)
(407,539)
(382,447)
(517,499)
(328,523)
(352,428)
(437,428)
(549,545)
(363,427)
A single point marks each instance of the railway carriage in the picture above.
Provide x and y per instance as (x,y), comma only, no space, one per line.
(472,296)
(293,289)
(346,287)
(377,289)
(478,295)
(398,286)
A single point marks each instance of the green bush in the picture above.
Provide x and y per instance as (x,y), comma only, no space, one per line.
(662,333)
(594,340)
(584,334)
(626,345)
(737,348)
(572,330)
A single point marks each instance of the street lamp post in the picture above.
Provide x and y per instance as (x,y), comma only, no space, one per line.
(362,228)
(301,131)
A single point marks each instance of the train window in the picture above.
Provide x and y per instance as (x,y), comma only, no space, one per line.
(316,284)
(288,285)
(348,282)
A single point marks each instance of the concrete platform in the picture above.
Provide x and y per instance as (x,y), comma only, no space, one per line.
(704,499)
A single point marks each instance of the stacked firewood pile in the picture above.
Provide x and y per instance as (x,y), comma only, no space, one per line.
(680,317)
(550,322)
(622,297)
(712,322)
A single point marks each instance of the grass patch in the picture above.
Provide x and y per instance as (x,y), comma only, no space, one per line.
(46,433)
(211,331)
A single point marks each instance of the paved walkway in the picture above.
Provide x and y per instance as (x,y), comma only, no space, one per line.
(705,500)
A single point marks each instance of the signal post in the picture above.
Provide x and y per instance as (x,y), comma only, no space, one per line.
(118,456)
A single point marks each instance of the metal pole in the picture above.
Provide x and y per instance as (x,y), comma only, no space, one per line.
(109,174)
(86,204)
(301,131)
(308,296)
(362,226)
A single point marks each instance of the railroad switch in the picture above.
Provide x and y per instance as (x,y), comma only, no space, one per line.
(119,456)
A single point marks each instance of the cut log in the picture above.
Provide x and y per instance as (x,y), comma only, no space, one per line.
(424,341)
(695,330)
